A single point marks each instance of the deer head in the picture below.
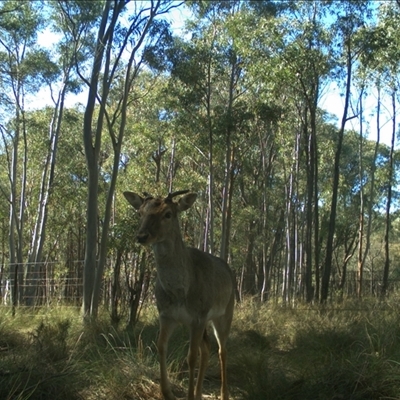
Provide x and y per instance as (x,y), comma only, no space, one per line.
(159,216)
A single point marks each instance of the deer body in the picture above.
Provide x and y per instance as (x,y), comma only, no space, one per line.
(192,288)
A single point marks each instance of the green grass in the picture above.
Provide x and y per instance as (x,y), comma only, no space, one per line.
(350,351)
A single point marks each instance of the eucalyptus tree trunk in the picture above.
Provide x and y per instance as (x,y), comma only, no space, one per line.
(385,280)
(267,158)
(373,169)
(226,201)
(157,158)
(349,249)
(138,291)
(172,166)
(336,174)
(291,224)
(116,288)
(229,156)
(209,227)
(15,267)
(309,82)
(20,75)
(310,165)
(97,236)
(92,151)
(46,187)
(313,292)
(2,261)
(247,281)
(360,260)
(17,205)
(22,206)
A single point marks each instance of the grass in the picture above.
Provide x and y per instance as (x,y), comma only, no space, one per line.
(351,352)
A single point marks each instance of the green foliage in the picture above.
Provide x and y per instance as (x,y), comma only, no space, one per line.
(234,97)
(20,20)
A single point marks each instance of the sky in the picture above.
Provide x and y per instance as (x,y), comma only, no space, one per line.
(333,102)
(48,39)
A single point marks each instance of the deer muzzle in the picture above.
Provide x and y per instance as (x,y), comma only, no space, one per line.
(142,237)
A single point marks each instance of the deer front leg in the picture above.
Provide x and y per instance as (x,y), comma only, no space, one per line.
(166,328)
(196,336)
(221,330)
(222,361)
(204,356)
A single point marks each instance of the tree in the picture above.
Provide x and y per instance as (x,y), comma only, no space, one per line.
(113,40)
(60,82)
(387,64)
(207,81)
(24,68)
(347,25)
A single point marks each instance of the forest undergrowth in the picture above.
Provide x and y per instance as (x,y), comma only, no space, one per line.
(349,351)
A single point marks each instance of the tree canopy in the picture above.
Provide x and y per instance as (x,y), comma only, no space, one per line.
(303,204)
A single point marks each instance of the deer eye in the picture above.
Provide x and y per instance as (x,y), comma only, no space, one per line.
(168,214)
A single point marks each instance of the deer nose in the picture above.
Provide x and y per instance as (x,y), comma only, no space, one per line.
(142,237)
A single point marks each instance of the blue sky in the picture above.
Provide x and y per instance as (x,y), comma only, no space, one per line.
(333,102)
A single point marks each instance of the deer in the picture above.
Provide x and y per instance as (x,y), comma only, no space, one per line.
(193,288)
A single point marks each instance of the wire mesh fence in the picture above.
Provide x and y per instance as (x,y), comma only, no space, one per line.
(42,284)
(58,283)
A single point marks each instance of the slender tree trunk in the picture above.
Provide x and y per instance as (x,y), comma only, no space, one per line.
(92,157)
(136,291)
(314,291)
(385,281)
(39,232)
(312,224)
(270,261)
(3,256)
(309,146)
(229,155)
(172,166)
(373,169)
(290,245)
(248,284)
(360,265)
(17,211)
(336,174)
(266,162)
(116,289)
(209,228)
(12,223)
(349,250)
(227,207)
(95,268)
(157,157)
(21,217)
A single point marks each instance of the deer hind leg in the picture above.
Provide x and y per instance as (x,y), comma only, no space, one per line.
(166,328)
(204,356)
(196,339)
(221,330)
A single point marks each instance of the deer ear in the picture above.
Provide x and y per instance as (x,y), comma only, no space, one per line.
(186,201)
(134,199)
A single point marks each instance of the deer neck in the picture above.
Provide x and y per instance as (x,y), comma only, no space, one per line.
(173,266)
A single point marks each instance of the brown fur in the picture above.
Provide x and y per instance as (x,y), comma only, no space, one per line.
(193,288)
